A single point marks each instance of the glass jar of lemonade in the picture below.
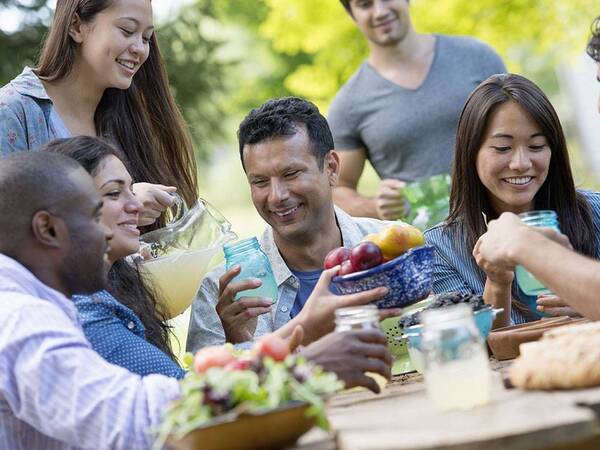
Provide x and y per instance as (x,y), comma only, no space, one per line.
(529,284)
(254,264)
(457,369)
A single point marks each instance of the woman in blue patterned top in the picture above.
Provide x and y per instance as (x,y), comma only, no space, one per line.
(510,155)
(125,323)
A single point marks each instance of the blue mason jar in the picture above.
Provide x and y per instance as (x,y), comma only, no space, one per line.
(529,284)
(254,264)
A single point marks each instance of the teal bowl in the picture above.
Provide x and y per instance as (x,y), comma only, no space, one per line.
(483,319)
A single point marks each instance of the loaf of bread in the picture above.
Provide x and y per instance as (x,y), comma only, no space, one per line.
(565,358)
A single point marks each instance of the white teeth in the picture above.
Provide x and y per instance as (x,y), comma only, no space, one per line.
(127,64)
(286,213)
(518,180)
(128,225)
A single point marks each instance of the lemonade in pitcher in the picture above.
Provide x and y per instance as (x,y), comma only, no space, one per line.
(177,277)
(176,258)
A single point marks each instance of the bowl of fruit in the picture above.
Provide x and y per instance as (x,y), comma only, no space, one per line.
(240,400)
(395,258)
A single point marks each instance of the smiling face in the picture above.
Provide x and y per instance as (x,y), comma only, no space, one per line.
(383,22)
(121,208)
(513,160)
(288,189)
(86,260)
(114,45)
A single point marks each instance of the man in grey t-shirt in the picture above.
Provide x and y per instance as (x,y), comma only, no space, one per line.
(400,109)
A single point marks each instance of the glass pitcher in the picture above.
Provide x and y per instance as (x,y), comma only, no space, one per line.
(176,257)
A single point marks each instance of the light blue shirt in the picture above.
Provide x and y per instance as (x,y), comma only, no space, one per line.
(455,268)
(56,393)
(205,325)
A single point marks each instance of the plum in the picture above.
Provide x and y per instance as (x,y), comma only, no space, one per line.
(365,255)
(336,257)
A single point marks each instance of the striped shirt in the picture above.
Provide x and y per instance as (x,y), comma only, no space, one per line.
(455,268)
(56,393)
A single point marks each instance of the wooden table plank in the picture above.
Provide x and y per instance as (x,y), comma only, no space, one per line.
(403,417)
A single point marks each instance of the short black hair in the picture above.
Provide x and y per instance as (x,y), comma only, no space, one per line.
(282,117)
(30,182)
(593,47)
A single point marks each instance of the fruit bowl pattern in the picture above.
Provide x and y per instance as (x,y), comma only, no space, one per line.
(408,278)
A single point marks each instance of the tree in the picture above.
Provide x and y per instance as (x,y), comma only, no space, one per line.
(520,30)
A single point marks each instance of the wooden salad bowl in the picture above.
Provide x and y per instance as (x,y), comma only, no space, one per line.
(270,430)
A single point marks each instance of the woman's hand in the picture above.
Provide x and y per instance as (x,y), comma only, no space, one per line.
(555,306)
(156,198)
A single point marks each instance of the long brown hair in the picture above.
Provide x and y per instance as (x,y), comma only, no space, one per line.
(144,120)
(469,197)
(126,283)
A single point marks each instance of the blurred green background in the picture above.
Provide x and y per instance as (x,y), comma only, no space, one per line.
(225,57)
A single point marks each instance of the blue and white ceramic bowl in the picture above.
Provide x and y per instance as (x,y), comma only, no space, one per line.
(408,278)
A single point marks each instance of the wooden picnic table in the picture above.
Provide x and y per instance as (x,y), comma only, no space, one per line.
(402,417)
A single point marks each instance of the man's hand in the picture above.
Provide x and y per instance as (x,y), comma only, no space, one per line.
(389,200)
(156,198)
(349,354)
(239,317)
(555,306)
(496,249)
(318,314)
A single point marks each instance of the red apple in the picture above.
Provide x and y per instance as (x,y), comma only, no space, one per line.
(346,268)
(336,257)
(365,255)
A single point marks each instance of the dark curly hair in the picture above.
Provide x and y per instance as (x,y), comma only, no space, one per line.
(281,117)
(593,47)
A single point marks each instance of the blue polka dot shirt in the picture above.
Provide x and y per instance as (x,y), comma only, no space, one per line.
(117,334)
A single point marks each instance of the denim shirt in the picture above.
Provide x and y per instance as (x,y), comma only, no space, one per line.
(455,268)
(205,325)
(26,115)
(118,335)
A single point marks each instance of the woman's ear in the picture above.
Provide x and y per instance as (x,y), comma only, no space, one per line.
(75,29)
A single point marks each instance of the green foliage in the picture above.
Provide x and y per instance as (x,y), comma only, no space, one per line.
(531,35)
(195,72)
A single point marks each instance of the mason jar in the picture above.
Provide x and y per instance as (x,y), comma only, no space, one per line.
(529,284)
(457,368)
(254,264)
(357,318)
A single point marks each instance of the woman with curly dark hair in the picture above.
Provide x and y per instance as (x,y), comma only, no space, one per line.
(126,322)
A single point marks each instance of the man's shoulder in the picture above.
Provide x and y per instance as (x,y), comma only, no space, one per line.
(467,45)
(349,90)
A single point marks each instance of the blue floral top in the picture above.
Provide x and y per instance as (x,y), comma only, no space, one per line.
(118,335)
(27,117)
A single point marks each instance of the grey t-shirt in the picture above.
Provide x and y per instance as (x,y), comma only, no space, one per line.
(409,134)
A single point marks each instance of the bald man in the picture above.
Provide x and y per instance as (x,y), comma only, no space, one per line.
(55,391)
